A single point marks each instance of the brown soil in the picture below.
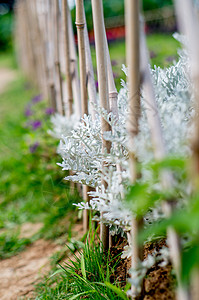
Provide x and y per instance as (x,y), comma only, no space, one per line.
(19,273)
(158,284)
(121,273)
(27,230)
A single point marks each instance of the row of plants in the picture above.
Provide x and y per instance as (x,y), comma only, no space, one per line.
(80,149)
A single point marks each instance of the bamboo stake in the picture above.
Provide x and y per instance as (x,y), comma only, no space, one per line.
(51,55)
(33,44)
(74,76)
(101,55)
(90,72)
(40,49)
(159,153)
(113,94)
(58,78)
(189,25)
(42,15)
(45,28)
(113,100)
(24,44)
(74,70)
(80,23)
(67,57)
(133,63)
(69,110)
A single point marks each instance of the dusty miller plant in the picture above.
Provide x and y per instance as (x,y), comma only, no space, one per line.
(81,147)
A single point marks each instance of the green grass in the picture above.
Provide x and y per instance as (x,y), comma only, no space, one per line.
(89,274)
(8,60)
(32,188)
(165,49)
(11,244)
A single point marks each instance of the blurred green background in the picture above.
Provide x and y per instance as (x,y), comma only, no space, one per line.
(112,8)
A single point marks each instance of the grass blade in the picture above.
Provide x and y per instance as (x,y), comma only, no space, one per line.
(83,266)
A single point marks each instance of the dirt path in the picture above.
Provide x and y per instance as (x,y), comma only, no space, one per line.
(19,273)
(6,76)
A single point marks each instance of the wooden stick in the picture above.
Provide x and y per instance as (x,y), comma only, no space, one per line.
(67,57)
(58,78)
(113,94)
(189,25)
(74,70)
(44,28)
(80,23)
(101,55)
(133,63)
(40,49)
(33,43)
(92,94)
(159,153)
(51,55)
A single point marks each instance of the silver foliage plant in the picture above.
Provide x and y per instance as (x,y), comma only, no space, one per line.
(81,145)
(62,126)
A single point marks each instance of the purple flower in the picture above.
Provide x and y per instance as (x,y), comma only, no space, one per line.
(37,99)
(28,112)
(36,124)
(114,62)
(49,111)
(33,147)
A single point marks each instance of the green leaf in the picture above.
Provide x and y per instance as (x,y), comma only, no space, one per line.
(174,163)
(83,266)
(81,294)
(55,273)
(190,259)
(116,290)
(140,198)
